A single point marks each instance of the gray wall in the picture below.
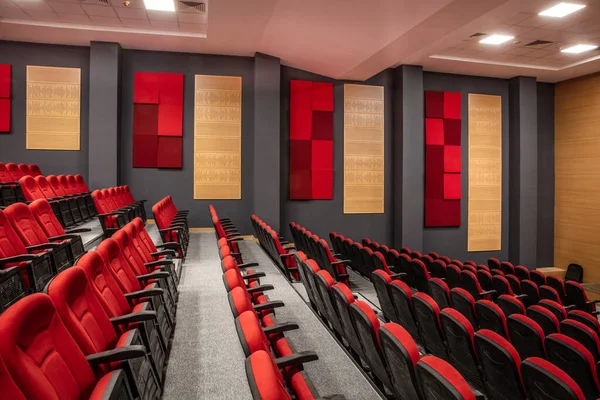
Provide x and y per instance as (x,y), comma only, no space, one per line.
(153,184)
(324,216)
(12,145)
(453,241)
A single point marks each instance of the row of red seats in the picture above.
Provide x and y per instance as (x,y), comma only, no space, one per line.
(225,228)
(119,349)
(117,207)
(17,171)
(172,224)
(276,247)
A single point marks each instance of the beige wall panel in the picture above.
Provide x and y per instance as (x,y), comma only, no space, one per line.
(485,173)
(53,108)
(577,170)
(364,174)
(218,137)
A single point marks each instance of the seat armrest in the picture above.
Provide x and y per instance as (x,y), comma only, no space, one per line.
(168,245)
(398,275)
(347,262)
(343,276)
(19,258)
(248,265)
(64,237)
(261,288)
(269,305)
(118,354)
(520,296)
(43,246)
(144,293)
(134,317)
(487,292)
(592,302)
(153,275)
(296,359)
(236,239)
(158,263)
(78,230)
(254,275)
(163,253)
(282,256)
(280,328)
(115,213)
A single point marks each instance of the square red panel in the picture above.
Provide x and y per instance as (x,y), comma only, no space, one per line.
(452,105)
(5,76)
(322,184)
(300,109)
(439,212)
(452,159)
(434,104)
(434,172)
(434,131)
(4,115)
(322,125)
(322,96)
(452,189)
(452,131)
(300,155)
(322,154)
(170,152)
(145,87)
(145,149)
(300,185)
(170,119)
(171,89)
(145,119)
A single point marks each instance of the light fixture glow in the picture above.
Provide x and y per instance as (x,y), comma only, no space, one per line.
(496,39)
(160,5)
(561,10)
(579,48)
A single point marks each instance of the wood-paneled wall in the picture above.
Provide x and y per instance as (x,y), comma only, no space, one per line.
(577,171)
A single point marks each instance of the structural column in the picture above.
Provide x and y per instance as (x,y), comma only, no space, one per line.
(409,161)
(104,118)
(523,171)
(267,82)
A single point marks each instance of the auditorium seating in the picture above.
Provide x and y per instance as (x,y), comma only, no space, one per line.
(543,379)
(439,380)
(172,224)
(279,252)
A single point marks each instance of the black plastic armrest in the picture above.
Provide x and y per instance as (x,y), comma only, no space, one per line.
(280,328)
(592,302)
(269,305)
(220,219)
(9,183)
(43,246)
(254,275)
(342,276)
(286,255)
(19,258)
(487,292)
(168,245)
(520,296)
(261,288)
(78,230)
(158,263)
(283,242)
(115,213)
(63,237)
(398,275)
(134,317)
(163,253)
(571,307)
(341,262)
(118,354)
(235,239)
(144,293)
(233,233)
(153,275)
(296,359)
(247,265)
(336,255)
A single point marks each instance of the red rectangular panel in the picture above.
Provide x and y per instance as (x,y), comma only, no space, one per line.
(5,73)
(300,109)
(322,96)
(170,152)
(145,119)
(452,159)
(434,131)
(452,132)
(170,118)
(322,125)
(434,104)
(4,115)
(439,212)
(322,154)
(300,155)
(145,149)
(434,172)
(300,185)
(171,89)
(452,187)
(452,105)
(145,87)
(322,184)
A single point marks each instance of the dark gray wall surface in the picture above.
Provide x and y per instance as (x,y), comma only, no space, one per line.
(153,184)
(12,145)
(545,167)
(324,216)
(453,241)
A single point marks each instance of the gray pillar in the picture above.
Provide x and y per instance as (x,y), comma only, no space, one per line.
(105,124)
(523,172)
(267,147)
(545,226)
(409,151)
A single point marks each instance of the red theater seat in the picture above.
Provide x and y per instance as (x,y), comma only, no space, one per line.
(584,335)
(545,318)
(35,170)
(511,305)
(401,296)
(538,277)
(440,292)
(439,380)
(587,319)
(381,281)
(325,282)
(526,336)
(427,315)
(464,303)
(576,294)
(491,317)
(542,379)
(343,298)
(531,289)
(420,276)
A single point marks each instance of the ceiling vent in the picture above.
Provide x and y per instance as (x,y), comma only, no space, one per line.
(538,42)
(478,34)
(186,5)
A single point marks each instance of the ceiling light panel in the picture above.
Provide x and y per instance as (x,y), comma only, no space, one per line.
(496,39)
(562,10)
(579,48)
(160,5)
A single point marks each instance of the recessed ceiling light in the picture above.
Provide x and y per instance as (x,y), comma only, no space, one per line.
(160,5)
(579,48)
(562,10)
(496,39)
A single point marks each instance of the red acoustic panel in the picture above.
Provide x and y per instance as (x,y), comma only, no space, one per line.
(434,131)
(452,187)
(300,185)
(4,115)
(434,104)
(145,87)
(145,119)
(322,154)
(145,151)
(170,152)
(322,125)
(440,212)
(300,109)
(169,120)
(452,129)
(452,159)
(452,105)
(322,96)
(322,189)
(5,76)
(434,172)
(171,89)
(300,154)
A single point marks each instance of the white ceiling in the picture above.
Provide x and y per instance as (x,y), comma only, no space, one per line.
(347,39)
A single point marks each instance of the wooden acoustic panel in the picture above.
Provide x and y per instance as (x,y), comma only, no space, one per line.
(485,173)
(364,171)
(53,108)
(218,137)
(577,175)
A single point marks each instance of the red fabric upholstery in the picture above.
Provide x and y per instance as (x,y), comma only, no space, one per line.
(8,387)
(440,212)
(451,375)
(267,377)
(145,88)
(434,104)
(405,338)
(574,344)
(502,342)
(25,224)
(145,119)
(558,373)
(30,188)
(456,315)
(5,115)
(368,311)
(145,151)
(42,211)
(434,131)
(434,172)
(452,105)
(452,187)
(170,154)
(452,132)
(322,96)
(452,159)
(5,78)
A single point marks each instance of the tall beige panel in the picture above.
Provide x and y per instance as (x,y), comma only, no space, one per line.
(53,108)
(485,173)
(363,149)
(577,175)
(218,137)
